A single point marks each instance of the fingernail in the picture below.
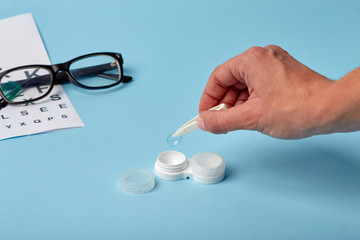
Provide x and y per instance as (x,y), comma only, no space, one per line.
(201,124)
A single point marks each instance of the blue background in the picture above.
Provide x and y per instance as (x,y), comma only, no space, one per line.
(65,184)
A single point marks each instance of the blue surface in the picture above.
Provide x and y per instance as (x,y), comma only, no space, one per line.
(65,184)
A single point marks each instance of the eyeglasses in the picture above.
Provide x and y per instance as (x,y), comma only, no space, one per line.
(30,83)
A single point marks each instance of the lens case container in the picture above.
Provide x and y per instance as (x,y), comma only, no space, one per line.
(204,167)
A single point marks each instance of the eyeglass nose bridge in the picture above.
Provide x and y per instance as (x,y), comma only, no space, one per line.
(61,73)
(59,67)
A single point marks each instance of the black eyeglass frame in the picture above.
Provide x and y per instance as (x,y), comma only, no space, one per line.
(61,73)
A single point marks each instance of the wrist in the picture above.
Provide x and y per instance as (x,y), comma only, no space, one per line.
(341,108)
(322,116)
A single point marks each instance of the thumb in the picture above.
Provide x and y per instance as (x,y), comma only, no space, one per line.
(223,121)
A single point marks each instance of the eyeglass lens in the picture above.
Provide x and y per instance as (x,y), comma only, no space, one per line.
(96,71)
(26,84)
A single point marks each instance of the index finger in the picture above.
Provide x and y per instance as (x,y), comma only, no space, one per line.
(225,76)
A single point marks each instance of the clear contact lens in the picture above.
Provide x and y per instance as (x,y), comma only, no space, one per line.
(173,141)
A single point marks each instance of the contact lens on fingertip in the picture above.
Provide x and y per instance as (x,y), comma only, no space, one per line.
(173,141)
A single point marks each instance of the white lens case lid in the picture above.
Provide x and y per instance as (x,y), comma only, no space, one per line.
(205,167)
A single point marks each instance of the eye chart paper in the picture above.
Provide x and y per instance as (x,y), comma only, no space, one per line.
(21,44)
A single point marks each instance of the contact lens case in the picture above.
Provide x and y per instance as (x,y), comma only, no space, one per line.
(204,167)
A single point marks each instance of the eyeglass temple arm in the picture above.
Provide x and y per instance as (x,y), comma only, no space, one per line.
(115,77)
(62,77)
(93,70)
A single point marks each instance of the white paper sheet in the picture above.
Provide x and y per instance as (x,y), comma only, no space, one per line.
(21,44)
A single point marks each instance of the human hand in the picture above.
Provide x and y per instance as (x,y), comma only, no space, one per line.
(267,90)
